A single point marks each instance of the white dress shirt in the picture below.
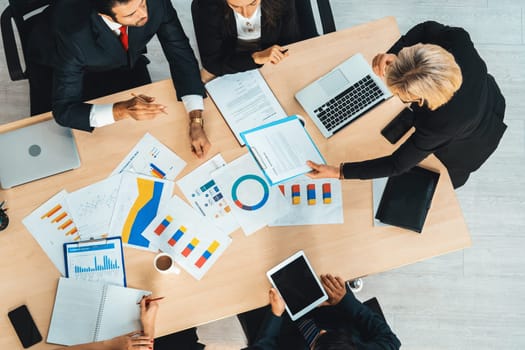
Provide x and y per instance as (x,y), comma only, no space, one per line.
(102,114)
(249,28)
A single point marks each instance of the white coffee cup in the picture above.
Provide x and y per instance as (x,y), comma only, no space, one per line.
(165,264)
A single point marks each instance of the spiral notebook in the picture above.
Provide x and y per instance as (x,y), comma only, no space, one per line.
(87,311)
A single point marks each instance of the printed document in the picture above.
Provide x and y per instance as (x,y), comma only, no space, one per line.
(245,101)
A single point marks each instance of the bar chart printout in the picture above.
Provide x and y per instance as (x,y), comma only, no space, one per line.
(99,260)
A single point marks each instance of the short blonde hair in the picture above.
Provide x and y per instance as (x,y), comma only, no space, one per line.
(424,71)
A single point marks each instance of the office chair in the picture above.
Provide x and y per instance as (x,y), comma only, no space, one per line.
(24,14)
(306,17)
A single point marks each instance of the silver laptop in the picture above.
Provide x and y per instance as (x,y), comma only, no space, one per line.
(342,95)
(36,151)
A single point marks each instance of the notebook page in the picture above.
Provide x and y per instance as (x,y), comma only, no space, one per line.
(120,313)
(75,312)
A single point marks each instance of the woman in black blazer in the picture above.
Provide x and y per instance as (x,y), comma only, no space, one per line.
(239,35)
(457,106)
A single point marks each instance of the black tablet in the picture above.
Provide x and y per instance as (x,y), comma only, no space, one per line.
(298,285)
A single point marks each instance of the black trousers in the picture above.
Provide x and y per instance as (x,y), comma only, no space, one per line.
(183,340)
(95,84)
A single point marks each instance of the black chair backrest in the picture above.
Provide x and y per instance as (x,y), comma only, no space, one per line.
(305,19)
(21,12)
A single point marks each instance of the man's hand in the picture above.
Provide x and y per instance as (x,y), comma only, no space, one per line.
(131,341)
(140,107)
(148,314)
(199,141)
(320,171)
(274,54)
(381,61)
(276,302)
(334,287)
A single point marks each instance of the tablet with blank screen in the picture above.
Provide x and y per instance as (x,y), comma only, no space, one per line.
(298,285)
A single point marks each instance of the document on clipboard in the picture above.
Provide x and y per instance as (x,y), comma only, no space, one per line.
(96,260)
(281,149)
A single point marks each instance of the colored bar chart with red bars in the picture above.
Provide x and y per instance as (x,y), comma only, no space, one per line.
(207,254)
(162,226)
(177,236)
(190,247)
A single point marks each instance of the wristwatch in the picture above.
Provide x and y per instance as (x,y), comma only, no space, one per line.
(198,120)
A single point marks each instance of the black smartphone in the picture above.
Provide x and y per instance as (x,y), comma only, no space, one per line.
(24,326)
(398,126)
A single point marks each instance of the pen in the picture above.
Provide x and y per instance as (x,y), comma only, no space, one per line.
(284,51)
(150,300)
(141,99)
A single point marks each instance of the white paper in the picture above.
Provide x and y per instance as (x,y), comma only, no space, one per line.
(244,100)
(282,148)
(151,157)
(181,231)
(52,226)
(138,202)
(325,207)
(254,202)
(206,197)
(92,207)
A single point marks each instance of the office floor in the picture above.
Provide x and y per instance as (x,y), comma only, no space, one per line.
(472,299)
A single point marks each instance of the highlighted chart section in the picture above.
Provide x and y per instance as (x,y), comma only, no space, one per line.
(162,226)
(189,248)
(207,254)
(177,236)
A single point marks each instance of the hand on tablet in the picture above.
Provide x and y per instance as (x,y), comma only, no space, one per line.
(334,287)
(276,302)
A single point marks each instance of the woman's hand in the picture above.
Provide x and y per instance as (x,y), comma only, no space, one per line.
(381,61)
(276,302)
(148,314)
(320,171)
(274,54)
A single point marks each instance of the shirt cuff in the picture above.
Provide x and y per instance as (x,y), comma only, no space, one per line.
(101,115)
(192,102)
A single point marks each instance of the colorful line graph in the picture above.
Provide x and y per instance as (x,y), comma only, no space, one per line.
(177,235)
(207,254)
(265,196)
(189,248)
(156,171)
(162,226)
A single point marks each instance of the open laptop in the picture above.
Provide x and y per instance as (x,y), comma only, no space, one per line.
(342,95)
(36,151)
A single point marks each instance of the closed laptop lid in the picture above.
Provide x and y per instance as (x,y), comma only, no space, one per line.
(36,151)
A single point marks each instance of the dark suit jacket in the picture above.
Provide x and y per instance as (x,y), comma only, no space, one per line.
(463,132)
(84,43)
(367,329)
(216,32)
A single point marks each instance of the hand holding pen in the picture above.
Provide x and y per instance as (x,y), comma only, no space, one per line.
(274,54)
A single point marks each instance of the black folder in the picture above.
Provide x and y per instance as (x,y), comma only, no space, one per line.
(407,199)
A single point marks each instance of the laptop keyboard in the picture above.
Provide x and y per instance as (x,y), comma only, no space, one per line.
(357,98)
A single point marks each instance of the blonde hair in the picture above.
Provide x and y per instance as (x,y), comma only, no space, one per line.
(424,71)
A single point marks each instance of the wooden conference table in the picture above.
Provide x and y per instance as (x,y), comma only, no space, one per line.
(237,282)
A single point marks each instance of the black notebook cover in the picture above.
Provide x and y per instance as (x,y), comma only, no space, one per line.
(407,198)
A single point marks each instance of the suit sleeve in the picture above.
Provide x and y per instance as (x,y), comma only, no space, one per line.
(183,65)
(68,74)
(373,330)
(268,334)
(425,32)
(216,48)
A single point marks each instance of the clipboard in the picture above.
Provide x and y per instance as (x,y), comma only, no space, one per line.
(96,260)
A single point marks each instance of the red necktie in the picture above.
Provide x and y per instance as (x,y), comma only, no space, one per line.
(124,37)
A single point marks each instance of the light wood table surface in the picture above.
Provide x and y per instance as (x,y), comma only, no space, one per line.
(237,282)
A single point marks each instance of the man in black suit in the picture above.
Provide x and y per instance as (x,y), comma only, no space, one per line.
(97,49)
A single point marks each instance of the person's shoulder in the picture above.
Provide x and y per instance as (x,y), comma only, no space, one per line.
(71,16)
(209,5)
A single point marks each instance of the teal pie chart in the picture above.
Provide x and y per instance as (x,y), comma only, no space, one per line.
(265,192)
